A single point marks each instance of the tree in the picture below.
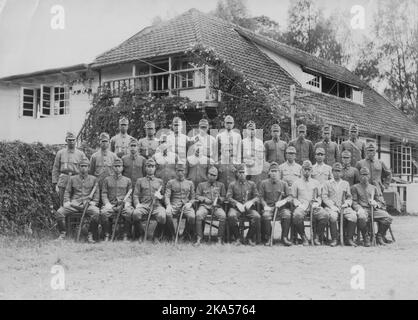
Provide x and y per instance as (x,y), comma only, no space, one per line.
(308,30)
(234,11)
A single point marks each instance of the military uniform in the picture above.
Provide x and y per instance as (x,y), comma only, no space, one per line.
(102,162)
(332,153)
(275,150)
(178,142)
(361,204)
(321,172)
(356,147)
(290,172)
(270,192)
(304,147)
(65,164)
(114,190)
(166,164)
(243,191)
(209,147)
(76,193)
(197,168)
(144,197)
(303,191)
(253,156)
(207,191)
(177,194)
(148,145)
(119,144)
(133,165)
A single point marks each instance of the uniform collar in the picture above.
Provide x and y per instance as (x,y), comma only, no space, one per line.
(150,177)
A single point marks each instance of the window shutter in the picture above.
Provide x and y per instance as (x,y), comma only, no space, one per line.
(46,101)
(27,102)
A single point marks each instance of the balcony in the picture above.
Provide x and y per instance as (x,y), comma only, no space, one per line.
(194,83)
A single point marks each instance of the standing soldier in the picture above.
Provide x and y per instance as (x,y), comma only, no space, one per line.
(208,142)
(133,163)
(65,164)
(165,161)
(303,146)
(180,195)
(290,171)
(198,165)
(178,141)
(147,200)
(270,191)
(366,195)
(275,148)
(303,193)
(149,144)
(114,190)
(354,145)
(242,195)
(321,171)
(211,195)
(332,197)
(253,155)
(102,160)
(349,173)
(229,147)
(77,192)
(119,144)
(380,175)
(330,147)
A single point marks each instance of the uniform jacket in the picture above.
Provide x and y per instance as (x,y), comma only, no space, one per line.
(66,162)
(253,155)
(211,192)
(101,164)
(351,175)
(357,149)
(229,147)
(332,192)
(241,191)
(275,151)
(379,173)
(179,192)
(362,194)
(119,144)
(332,153)
(115,189)
(270,191)
(304,150)
(290,172)
(133,167)
(145,188)
(303,190)
(147,147)
(322,172)
(79,188)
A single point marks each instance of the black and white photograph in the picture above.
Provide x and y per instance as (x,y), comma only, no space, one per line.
(210,150)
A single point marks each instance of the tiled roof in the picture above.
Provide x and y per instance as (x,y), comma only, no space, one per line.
(235,45)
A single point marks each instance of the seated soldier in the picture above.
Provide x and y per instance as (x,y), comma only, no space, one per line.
(366,195)
(211,195)
(147,200)
(270,191)
(115,188)
(306,193)
(332,197)
(180,195)
(78,193)
(242,195)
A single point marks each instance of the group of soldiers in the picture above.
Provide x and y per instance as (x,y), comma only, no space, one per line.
(229,177)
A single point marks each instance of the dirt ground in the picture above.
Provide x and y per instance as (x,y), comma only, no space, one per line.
(148,271)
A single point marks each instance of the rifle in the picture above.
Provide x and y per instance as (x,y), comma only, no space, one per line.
(86,205)
(276,209)
(149,215)
(315,195)
(372,216)
(342,220)
(119,213)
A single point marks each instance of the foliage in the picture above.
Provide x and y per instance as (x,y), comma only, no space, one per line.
(26,192)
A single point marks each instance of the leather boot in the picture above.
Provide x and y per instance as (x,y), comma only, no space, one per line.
(366,238)
(351,226)
(285,231)
(266,230)
(169,229)
(221,232)
(257,231)
(61,225)
(379,236)
(90,238)
(384,230)
(157,232)
(334,233)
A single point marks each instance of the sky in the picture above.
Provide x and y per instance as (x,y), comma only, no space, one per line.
(28,42)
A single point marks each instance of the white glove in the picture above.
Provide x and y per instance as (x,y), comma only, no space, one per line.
(335,208)
(188,205)
(108,206)
(315,204)
(345,205)
(361,211)
(169,210)
(158,195)
(240,207)
(92,203)
(67,204)
(297,203)
(248,204)
(281,203)
(373,203)
(267,208)
(57,190)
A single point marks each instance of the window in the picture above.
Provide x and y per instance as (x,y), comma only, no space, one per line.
(45,101)
(401,160)
(312,81)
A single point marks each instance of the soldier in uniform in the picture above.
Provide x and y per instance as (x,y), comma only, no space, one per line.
(119,144)
(354,145)
(349,173)
(180,195)
(65,164)
(303,192)
(147,200)
(198,165)
(133,163)
(270,191)
(229,147)
(149,144)
(165,161)
(242,194)
(275,149)
(380,174)
(366,195)
(321,171)
(208,142)
(211,195)
(102,160)
(177,141)
(290,171)
(77,192)
(332,153)
(303,146)
(332,197)
(114,190)
(253,155)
